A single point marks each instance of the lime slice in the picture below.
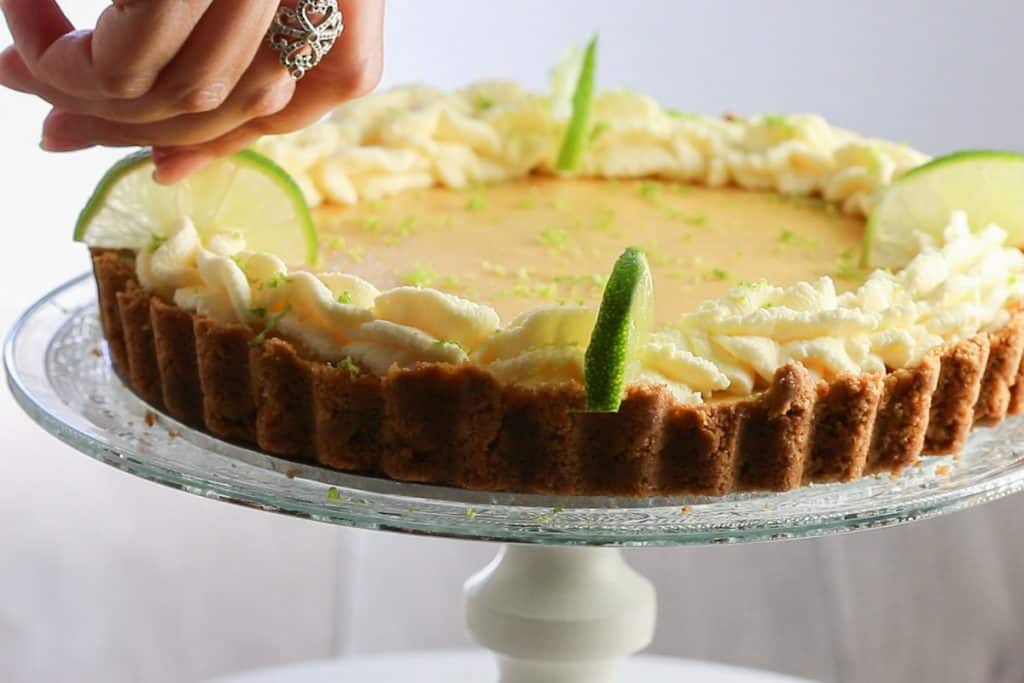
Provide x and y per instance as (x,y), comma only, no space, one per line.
(246,193)
(988,185)
(622,328)
(574,142)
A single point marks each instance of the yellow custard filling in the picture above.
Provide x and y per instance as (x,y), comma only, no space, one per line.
(540,241)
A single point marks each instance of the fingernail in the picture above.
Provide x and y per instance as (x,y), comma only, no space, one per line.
(56,143)
(62,132)
(162,154)
(178,166)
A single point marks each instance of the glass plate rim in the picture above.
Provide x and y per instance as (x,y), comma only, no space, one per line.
(376,503)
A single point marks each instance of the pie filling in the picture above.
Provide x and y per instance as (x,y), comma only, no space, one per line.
(523,244)
(448,238)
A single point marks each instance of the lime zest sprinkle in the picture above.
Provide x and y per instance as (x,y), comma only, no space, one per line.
(240,262)
(577,133)
(535,290)
(420,276)
(848,267)
(681,114)
(272,322)
(155,242)
(787,236)
(371,223)
(494,268)
(470,513)
(344,298)
(780,123)
(334,495)
(604,218)
(347,363)
(849,271)
(752,285)
(476,201)
(697,219)
(406,226)
(717,274)
(451,282)
(276,280)
(650,191)
(440,343)
(483,103)
(555,238)
(335,242)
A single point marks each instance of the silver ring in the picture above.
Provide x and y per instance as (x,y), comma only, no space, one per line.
(304,35)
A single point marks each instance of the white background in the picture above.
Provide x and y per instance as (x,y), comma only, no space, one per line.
(105,578)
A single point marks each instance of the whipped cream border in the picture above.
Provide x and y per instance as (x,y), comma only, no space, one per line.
(416,137)
(491,132)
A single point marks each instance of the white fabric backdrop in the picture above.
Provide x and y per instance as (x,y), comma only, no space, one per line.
(105,578)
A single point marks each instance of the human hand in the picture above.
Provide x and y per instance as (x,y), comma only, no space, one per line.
(192,78)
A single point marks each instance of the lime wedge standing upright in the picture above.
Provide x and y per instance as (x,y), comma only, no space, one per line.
(245,193)
(987,185)
(620,333)
(578,130)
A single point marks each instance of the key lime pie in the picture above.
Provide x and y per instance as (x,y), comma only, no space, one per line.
(572,292)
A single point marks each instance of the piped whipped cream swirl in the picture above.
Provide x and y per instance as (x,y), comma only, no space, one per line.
(417,137)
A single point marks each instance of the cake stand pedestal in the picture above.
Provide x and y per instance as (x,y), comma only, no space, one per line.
(560,615)
(562,607)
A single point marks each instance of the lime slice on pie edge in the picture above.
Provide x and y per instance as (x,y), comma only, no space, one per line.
(578,129)
(245,193)
(620,333)
(987,185)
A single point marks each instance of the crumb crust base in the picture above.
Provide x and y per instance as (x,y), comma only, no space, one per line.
(459,426)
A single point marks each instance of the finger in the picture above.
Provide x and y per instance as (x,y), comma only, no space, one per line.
(174,166)
(15,74)
(192,84)
(352,69)
(215,58)
(35,25)
(135,39)
(121,58)
(200,78)
(266,88)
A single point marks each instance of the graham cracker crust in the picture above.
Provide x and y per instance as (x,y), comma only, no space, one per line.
(458,426)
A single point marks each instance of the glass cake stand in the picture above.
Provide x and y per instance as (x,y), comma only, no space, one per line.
(559,603)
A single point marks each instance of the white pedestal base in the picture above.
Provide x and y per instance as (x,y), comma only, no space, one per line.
(449,666)
(560,614)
